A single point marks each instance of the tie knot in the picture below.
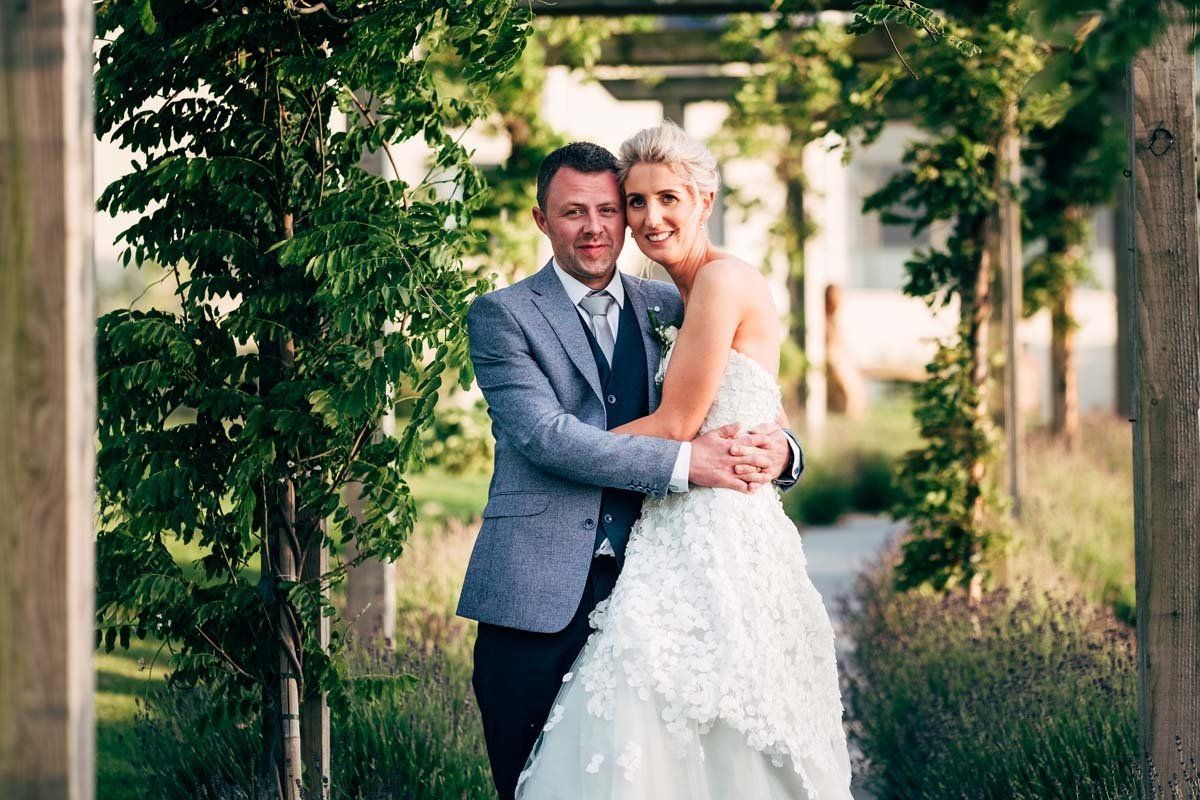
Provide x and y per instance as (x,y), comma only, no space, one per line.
(597,304)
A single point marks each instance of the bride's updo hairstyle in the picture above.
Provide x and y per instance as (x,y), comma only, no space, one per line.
(668,144)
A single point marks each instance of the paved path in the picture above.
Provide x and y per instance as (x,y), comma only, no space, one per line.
(836,554)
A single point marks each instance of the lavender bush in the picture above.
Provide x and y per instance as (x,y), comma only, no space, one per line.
(1021,697)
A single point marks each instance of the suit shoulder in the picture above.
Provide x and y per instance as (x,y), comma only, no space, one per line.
(507,293)
(503,298)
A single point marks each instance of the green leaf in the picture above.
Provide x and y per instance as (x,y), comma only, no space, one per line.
(146,17)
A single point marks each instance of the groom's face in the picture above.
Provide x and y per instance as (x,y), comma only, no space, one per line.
(584,219)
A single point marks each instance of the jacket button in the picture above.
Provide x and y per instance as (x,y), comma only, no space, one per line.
(589,523)
(612,399)
(608,518)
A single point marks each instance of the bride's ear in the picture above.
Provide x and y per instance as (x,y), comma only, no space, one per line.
(707,199)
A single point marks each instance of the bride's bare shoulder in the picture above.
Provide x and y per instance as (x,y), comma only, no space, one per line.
(730,275)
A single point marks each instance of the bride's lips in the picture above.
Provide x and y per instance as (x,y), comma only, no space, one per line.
(659,236)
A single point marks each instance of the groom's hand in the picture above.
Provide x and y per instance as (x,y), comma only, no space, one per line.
(715,463)
(771,451)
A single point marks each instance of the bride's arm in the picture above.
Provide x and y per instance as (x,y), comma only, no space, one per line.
(714,312)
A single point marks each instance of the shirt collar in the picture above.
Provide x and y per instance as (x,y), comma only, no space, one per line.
(577,291)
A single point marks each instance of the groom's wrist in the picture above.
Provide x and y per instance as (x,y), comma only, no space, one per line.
(682,468)
(790,474)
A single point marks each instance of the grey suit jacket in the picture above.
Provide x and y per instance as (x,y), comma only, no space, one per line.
(553,454)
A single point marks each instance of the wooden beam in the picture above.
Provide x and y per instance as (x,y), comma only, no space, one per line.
(702,45)
(47,401)
(679,90)
(625,8)
(1166,432)
(701,88)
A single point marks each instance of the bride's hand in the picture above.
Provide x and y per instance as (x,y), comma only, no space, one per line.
(713,463)
(768,444)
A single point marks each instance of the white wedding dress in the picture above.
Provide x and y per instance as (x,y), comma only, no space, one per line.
(711,672)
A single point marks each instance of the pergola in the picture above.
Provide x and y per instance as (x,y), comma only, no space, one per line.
(47,394)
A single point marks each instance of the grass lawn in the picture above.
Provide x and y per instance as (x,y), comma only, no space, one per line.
(427,576)
(122,676)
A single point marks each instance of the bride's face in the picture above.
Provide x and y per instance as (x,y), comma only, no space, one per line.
(664,212)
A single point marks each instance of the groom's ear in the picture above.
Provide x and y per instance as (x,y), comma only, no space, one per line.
(540,220)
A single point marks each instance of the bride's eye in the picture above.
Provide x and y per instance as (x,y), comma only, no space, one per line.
(668,198)
(636,202)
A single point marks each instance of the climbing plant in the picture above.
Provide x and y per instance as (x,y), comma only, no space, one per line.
(993,71)
(312,299)
(975,96)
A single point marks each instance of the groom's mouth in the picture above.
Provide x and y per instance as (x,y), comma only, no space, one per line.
(592,249)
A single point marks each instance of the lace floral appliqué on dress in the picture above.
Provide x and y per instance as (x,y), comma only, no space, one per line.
(711,673)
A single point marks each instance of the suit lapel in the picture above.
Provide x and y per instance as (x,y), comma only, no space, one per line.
(635,293)
(551,300)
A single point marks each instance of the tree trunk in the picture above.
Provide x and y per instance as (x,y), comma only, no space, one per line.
(797,322)
(314,714)
(47,402)
(1166,433)
(1064,370)
(283,550)
(1008,178)
(1068,250)
(976,295)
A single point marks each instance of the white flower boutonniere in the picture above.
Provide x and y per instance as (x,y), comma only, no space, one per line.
(666,334)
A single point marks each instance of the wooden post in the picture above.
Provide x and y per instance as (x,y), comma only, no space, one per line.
(47,401)
(371,584)
(370,588)
(1166,432)
(1123,289)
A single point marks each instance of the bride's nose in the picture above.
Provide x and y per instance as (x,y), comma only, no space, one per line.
(653,215)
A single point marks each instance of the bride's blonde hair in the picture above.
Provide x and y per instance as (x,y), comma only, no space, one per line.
(667,144)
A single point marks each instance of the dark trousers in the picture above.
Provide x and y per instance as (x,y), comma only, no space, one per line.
(518,674)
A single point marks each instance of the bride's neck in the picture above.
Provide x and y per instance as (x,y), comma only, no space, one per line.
(683,272)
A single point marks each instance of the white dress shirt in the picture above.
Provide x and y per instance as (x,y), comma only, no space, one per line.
(577,291)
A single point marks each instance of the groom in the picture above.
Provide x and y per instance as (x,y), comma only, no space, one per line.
(561,357)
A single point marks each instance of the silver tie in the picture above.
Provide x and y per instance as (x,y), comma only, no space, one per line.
(597,304)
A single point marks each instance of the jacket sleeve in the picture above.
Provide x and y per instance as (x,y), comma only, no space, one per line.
(526,410)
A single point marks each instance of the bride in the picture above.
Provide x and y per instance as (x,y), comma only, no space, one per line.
(710,673)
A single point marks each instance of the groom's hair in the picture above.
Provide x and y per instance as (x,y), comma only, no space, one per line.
(579,156)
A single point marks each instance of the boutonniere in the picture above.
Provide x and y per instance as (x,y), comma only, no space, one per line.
(665,333)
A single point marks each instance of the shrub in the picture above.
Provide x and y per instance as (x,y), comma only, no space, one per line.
(820,498)
(874,488)
(1021,697)
(842,482)
(410,730)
